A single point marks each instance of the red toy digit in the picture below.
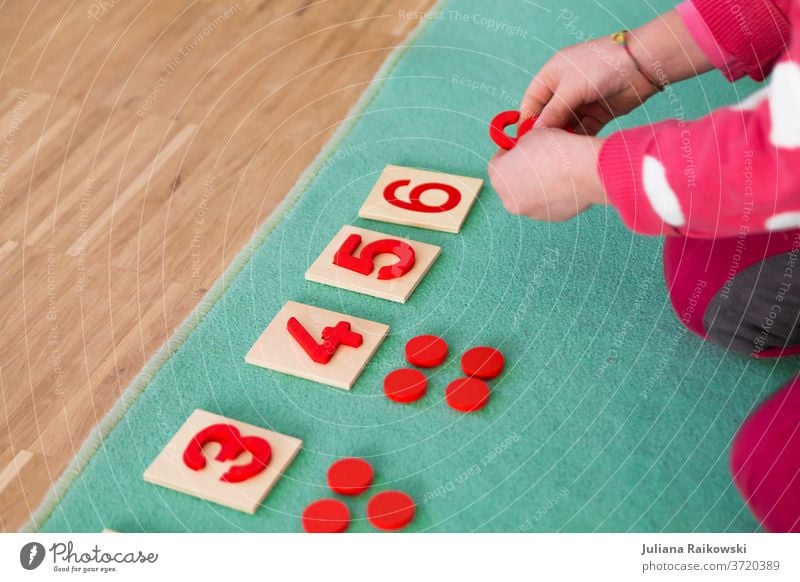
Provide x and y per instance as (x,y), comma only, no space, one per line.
(365,263)
(415,202)
(497,128)
(232,444)
(332,338)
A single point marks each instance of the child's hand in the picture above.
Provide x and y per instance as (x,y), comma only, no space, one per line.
(550,175)
(598,80)
(585,86)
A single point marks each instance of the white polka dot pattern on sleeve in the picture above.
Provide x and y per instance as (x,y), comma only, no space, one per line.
(784,105)
(783,221)
(660,194)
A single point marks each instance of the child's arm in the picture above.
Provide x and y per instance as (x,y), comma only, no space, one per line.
(748,36)
(594,81)
(597,80)
(735,171)
(732,171)
(552,174)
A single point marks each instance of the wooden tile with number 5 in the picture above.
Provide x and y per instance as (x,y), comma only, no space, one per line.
(373,263)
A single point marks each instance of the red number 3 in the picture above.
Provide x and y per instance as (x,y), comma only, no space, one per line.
(232,444)
(415,203)
(365,263)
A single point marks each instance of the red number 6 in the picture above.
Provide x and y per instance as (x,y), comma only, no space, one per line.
(415,202)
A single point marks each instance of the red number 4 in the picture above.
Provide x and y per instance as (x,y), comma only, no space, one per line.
(332,338)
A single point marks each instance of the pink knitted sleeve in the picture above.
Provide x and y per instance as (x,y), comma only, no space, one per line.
(754,33)
(701,35)
(735,171)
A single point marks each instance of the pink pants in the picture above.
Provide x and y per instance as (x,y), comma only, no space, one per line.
(743,294)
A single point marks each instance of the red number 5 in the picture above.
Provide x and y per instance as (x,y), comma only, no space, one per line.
(365,263)
(415,202)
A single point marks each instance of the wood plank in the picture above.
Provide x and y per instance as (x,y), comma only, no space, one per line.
(131,122)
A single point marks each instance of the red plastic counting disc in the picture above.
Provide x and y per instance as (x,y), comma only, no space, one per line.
(326,516)
(426,351)
(483,362)
(350,476)
(467,394)
(390,510)
(405,385)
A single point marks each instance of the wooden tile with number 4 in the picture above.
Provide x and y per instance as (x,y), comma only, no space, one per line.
(421,198)
(373,263)
(333,348)
(223,460)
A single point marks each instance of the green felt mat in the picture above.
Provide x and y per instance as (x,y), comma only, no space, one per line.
(609,415)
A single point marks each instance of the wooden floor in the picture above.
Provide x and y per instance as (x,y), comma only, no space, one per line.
(142,145)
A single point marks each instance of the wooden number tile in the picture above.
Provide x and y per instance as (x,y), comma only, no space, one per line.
(222,460)
(317,344)
(421,198)
(373,263)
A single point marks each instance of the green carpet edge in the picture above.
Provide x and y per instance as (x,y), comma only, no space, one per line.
(142,380)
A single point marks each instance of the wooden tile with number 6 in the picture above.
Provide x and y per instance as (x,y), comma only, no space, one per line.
(421,198)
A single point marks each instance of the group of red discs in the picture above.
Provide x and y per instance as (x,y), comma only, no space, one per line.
(467,394)
(387,510)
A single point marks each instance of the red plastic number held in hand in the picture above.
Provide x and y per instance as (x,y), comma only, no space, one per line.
(332,338)
(365,263)
(232,444)
(497,129)
(415,202)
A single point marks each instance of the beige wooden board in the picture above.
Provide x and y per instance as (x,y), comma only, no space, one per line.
(324,271)
(98,114)
(169,470)
(277,350)
(376,207)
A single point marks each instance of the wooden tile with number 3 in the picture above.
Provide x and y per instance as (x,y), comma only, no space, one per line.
(223,460)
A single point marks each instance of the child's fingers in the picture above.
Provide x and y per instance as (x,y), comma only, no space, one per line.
(593,117)
(496,177)
(559,110)
(536,96)
(589,125)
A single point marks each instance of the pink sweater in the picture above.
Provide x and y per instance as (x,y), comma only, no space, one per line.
(736,170)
